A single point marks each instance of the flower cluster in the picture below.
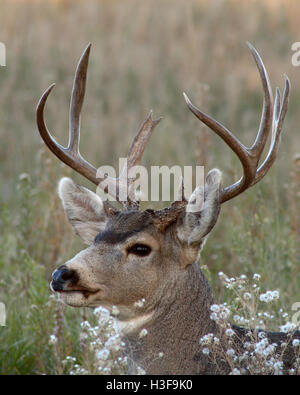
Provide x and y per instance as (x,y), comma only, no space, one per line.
(288,327)
(220,314)
(104,348)
(269,296)
(248,351)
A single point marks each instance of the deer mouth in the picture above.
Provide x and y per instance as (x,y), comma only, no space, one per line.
(80,297)
(84,291)
(59,288)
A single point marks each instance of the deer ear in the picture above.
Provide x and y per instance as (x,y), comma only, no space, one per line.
(85,210)
(202,211)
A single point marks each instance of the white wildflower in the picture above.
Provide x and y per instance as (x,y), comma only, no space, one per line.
(247,296)
(52,339)
(229,332)
(69,358)
(230,352)
(24,176)
(114,343)
(213,316)
(143,333)
(140,371)
(288,327)
(103,315)
(85,325)
(269,296)
(215,308)
(101,311)
(206,339)
(205,351)
(278,367)
(103,354)
(296,342)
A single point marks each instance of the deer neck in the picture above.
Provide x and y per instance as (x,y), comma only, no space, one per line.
(175,327)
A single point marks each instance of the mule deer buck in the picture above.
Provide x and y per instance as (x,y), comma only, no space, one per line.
(152,255)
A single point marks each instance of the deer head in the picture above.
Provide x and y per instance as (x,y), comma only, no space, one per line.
(132,254)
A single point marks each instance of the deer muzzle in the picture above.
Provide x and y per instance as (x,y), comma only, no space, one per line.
(65,280)
(62,277)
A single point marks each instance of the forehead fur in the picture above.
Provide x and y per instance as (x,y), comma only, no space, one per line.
(123,225)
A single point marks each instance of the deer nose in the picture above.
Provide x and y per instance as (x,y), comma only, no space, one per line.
(62,276)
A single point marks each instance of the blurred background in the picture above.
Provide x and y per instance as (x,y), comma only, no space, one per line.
(144,54)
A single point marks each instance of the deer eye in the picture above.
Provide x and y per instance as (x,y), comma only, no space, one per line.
(139,249)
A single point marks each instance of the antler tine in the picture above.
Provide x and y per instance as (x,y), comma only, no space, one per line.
(237,147)
(70,155)
(180,191)
(266,117)
(134,156)
(77,99)
(272,118)
(279,116)
(140,141)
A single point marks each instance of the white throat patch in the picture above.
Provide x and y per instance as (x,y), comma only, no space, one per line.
(132,325)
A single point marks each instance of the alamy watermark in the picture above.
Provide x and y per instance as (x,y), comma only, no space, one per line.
(2,314)
(153,186)
(2,54)
(296,316)
(296,56)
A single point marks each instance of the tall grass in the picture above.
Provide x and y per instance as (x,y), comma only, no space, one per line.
(144,54)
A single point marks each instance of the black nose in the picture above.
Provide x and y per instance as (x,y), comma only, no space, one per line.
(63,276)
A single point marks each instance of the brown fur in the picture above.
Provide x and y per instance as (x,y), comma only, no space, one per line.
(176,312)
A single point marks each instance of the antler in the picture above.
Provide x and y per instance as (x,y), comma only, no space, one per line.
(116,187)
(272,118)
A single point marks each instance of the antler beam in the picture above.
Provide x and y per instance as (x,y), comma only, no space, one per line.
(71,155)
(272,119)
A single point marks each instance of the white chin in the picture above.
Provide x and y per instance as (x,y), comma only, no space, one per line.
(78,299)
